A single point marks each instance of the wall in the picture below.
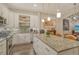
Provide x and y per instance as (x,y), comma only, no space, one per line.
(13,19)
(59,26)
(14,22)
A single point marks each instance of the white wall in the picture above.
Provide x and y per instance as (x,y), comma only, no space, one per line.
(13,17)
(14,20)
(59,26)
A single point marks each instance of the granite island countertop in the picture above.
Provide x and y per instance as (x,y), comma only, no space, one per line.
(59,44)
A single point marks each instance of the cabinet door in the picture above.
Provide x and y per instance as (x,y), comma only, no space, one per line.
(76,51)
(5,12)
(41,48)
(22,38)
(46,49)
(35,45)
(0,11)
(3,47)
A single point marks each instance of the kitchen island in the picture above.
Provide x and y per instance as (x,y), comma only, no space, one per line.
(55,45)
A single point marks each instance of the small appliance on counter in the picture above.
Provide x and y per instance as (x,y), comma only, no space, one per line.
(42,31)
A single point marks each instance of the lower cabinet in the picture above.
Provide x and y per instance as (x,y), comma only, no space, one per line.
(3,47)
(9,45)
(74,51)
(41,48)
(22,38)
(6,46)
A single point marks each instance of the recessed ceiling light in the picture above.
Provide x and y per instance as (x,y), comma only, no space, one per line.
(34,5)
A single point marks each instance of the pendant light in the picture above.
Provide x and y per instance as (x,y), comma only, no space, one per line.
(43,17)
(74,17)
(49,19)
(43,20)
(58,15)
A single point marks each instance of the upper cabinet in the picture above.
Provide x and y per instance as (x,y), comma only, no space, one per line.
(2,21)
(2,18)
(0,10)
(5,12)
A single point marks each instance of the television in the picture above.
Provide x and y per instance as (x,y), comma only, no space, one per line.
(76,28)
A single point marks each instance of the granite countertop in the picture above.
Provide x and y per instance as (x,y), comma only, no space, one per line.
(59,44)
(5,38)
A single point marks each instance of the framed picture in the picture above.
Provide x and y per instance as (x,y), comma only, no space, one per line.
(65,24)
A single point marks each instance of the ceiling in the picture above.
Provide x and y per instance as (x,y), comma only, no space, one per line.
(50,8)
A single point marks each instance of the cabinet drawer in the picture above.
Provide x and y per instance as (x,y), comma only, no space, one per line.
(67,52)
(1,52)
(76,51)
(1,45)
(50,51)
(3,48)
(41,48)
(3,42)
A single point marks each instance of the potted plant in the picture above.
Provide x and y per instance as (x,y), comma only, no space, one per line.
(47,34)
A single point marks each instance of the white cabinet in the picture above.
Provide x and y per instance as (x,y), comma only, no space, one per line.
(0,10)
(73,51)
(5,12)
(76,51)
(6,46)
(67,52)
(3,47)
(41,48)
(21,38)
